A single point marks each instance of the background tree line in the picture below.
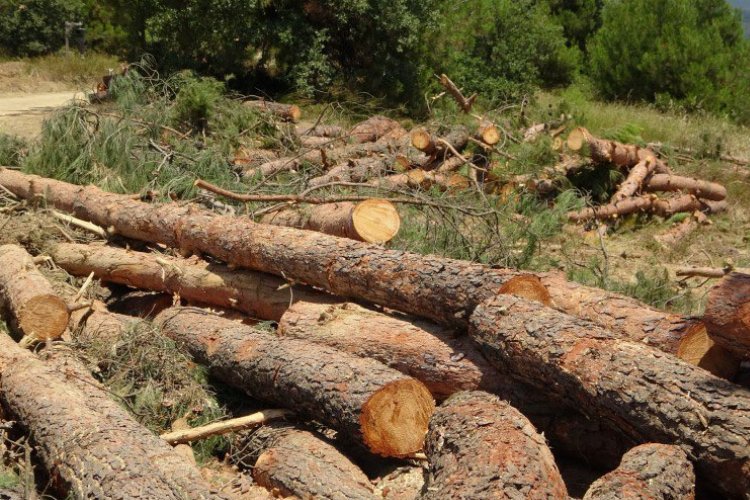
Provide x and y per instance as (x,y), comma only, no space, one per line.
(686,53)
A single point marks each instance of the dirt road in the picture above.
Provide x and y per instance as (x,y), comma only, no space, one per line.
(22,114)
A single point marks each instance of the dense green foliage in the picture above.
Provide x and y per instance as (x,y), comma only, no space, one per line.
(671,50)
(34,27)
(580,19)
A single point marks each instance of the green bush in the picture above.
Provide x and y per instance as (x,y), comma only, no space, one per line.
(671,51)
(34,27)
(580,19)
(196,100)
(503,48)
(12,150)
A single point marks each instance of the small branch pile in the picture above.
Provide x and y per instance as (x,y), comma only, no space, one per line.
(511,359)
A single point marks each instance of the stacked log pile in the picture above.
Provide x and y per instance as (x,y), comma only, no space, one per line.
(525,369)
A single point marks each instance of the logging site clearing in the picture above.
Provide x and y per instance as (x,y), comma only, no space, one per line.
(214,295)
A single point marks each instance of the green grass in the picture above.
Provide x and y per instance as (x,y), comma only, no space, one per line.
(74,69)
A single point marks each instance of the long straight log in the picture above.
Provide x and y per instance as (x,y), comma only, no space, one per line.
(188,434)
(653,397)
(375,128)
(444,290)
(89,444)
(357,170)
(373,221)
(481,447)
(635,179)
(647,203)
(727,315)
(259,295)
(34,307)
(700,188)
(606,151)
(648,471)
(375,405)
(293,462)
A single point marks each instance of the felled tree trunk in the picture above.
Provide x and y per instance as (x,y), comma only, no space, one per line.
(727,315)
(317,142)
(652,396)
(481,447)
(676,234)
(32,303)
(319,130)
(605,151)
(374,128)
(435,355)
(375,405)
(487,133)
(647,203)
(436,147)
(702,189)
(293,462)
(637,176)
(288,112)
(259,295)
(357,170)
(373,221)
(697,348)
(648,471)
(89,444)
(421,179)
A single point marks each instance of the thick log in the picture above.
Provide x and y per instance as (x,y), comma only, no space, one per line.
(652,396)
(647,203)
(463,102)
(637,176)
(375,405)
(697,348)
(710,272)
(605,151)
(293,462)
(727,315)
(435,146)
(435,355)
(702,189)
(373,221)
(357,170)
(259,295)
(444,290)
(89,444)
(375,128)
(487,133)
(648,471)
(288,112)
(677,233)
(424,180)
(29,298)
(479,446)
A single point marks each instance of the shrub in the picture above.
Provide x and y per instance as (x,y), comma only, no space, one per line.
(503,48)
(196,100)
(670,50)
(34,27)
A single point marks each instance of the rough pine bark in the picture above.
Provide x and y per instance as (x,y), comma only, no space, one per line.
(479,446)
(424,180)
(357,170)
(294,462)
(34,307)
(90,445)
(727,315)
(648,471)
(259,295)
(651,396)
(637,176)
(606,151)
(373,404)
(702,189)
(647,203)
(375,128)
(373,221)
(435,146)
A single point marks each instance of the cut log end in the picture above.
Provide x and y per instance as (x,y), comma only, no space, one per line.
(421,139)
(295,113)
(697,348)
(529,287)
(489,134)
(577,139)
(376,221)
(44,317)
(394,420)
(727,314)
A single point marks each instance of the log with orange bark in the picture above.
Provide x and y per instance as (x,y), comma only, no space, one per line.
(444,290)
(479,446)
(375,128)
(637,176)
(648,471)
(373,221)
(439,147)
(33,306)
(90,445)
(648,204)
(375,405)
(329,131)
(358,170)
(487,132)
(702,189)
(424,180)
(291,461)
(619,154)
(727,315)
(288,112)
(653,397)
(257,294)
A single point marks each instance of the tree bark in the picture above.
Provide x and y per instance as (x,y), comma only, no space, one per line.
(487,133)
(727,315)
(463,102)
(647,203)
(293,462)
(437,356)
(697,348)
(404,483)
(317,142)
(89,444)
(29,298)
(252,158)
(677,233)
(481,447)
(374,404)
(648,471)
(329,131)
(421,179)
(424,141)
(357,170)
(651,396)
(373,221)
(702,189)
(637,176)
(259,295)
(375,128)
(605,151)
(287,112)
